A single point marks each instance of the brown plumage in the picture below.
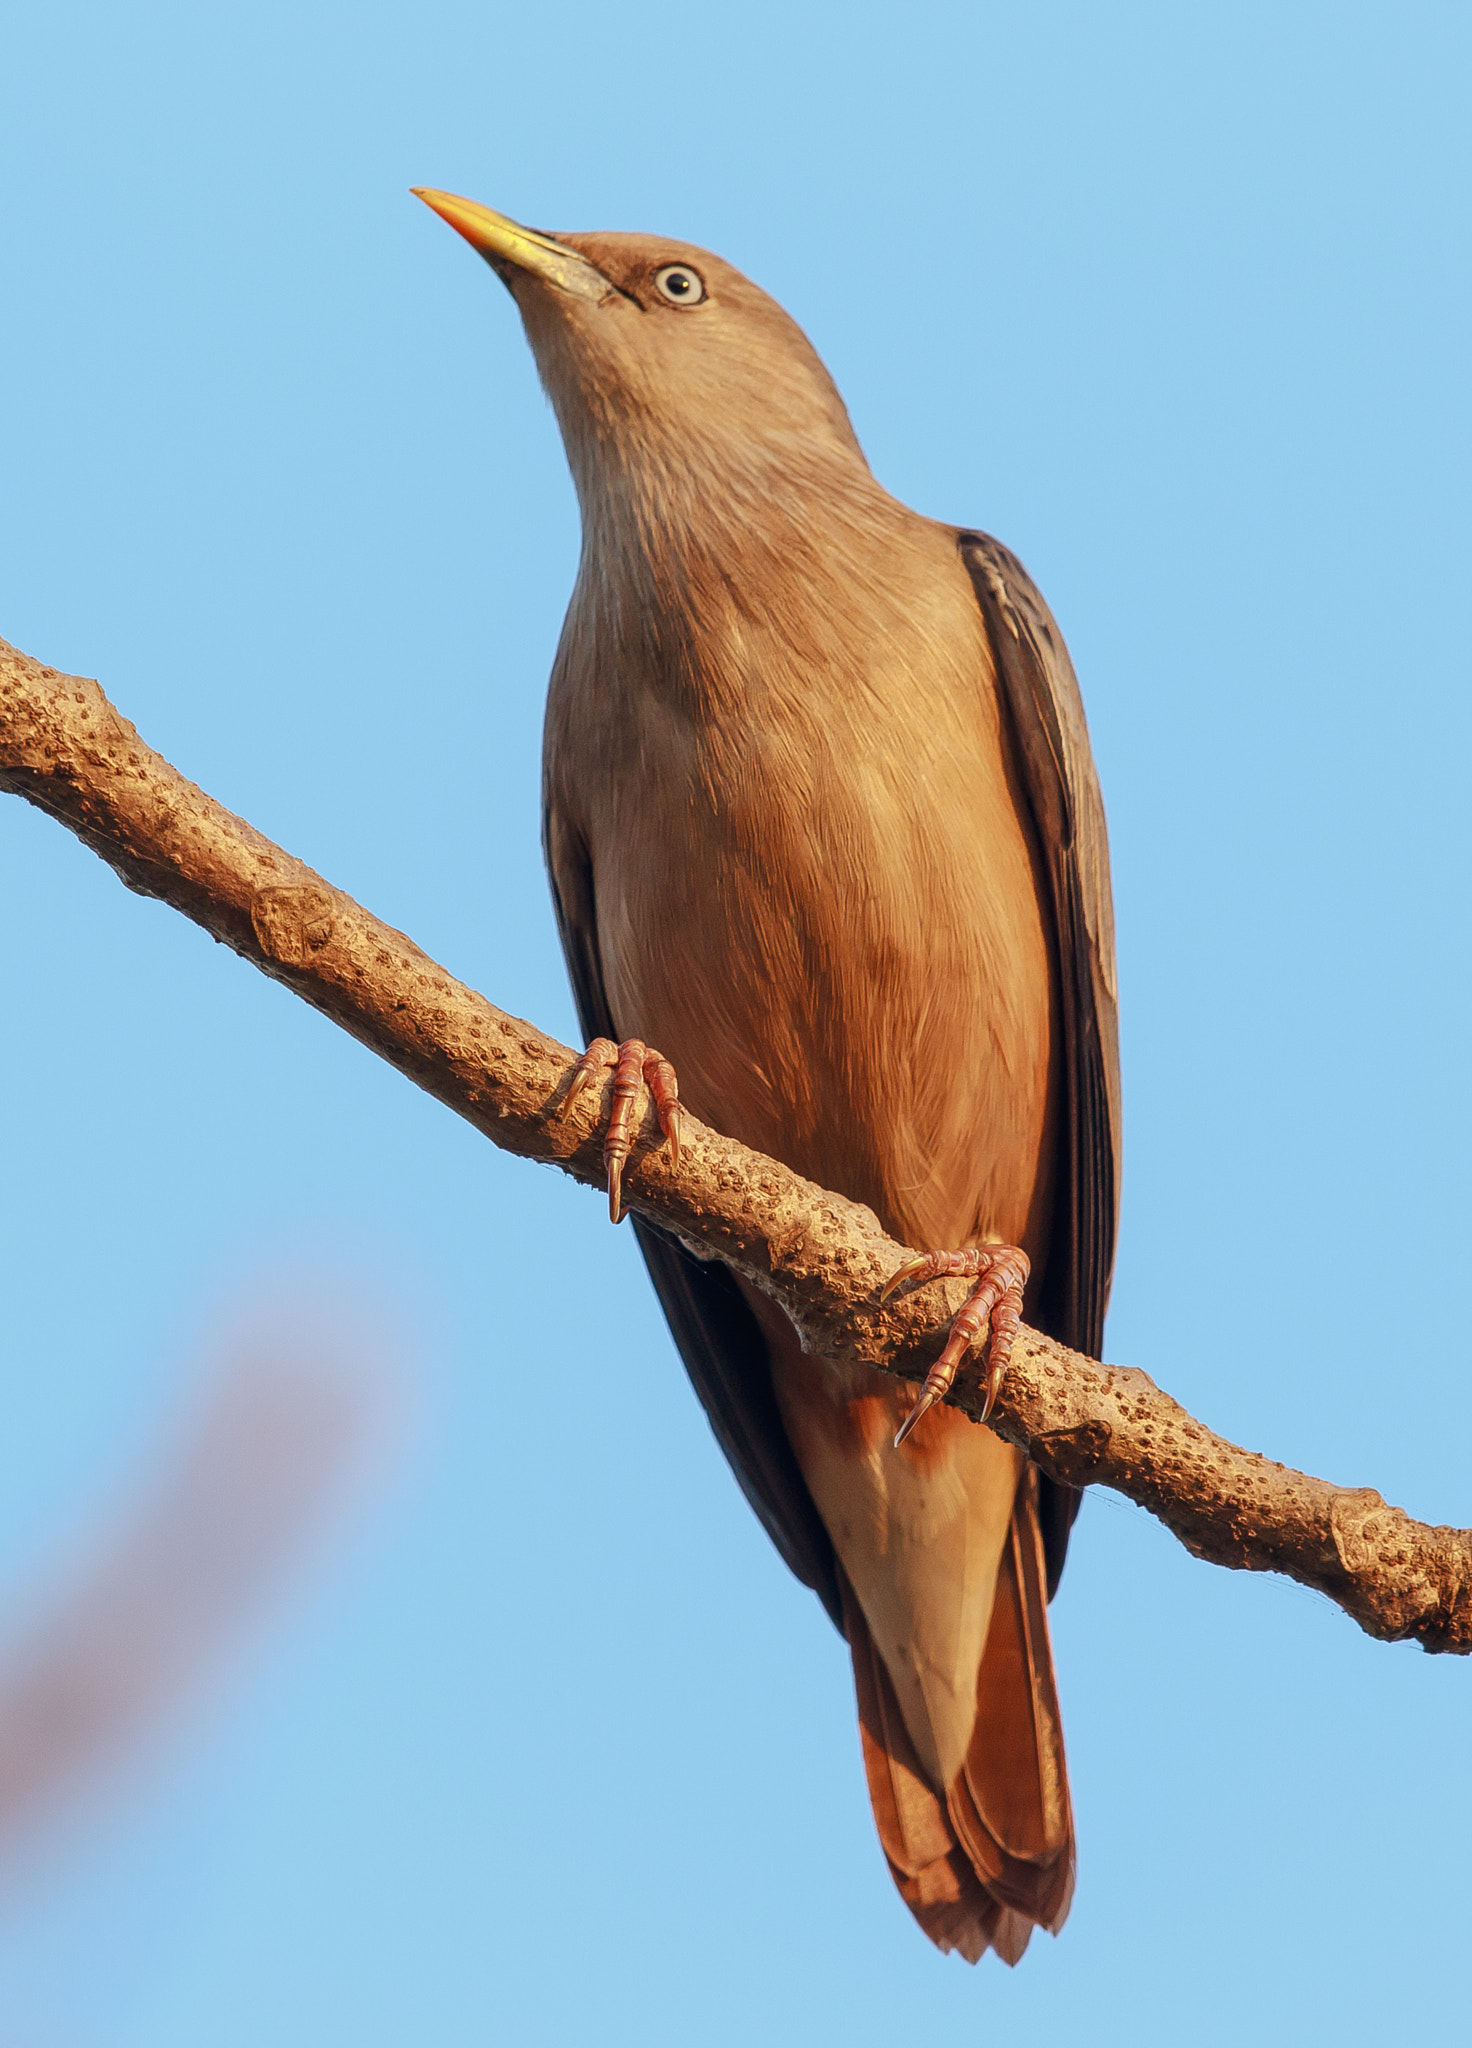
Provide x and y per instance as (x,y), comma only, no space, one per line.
(823,827)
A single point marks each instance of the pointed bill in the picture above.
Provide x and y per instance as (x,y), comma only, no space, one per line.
(505,244)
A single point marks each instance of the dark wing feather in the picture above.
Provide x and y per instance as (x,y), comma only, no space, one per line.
(1040,692)
(718,1337)
(725,1355)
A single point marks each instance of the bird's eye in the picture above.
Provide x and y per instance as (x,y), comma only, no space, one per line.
(681,285)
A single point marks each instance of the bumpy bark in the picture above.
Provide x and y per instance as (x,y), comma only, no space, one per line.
(64,748)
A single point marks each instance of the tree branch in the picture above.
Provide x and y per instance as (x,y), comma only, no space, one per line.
(65,749)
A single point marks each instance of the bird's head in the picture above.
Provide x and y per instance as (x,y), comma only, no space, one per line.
(673,376)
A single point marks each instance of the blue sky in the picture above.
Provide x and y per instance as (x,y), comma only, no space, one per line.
(1174,300)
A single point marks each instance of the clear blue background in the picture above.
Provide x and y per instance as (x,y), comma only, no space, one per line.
(1173,299)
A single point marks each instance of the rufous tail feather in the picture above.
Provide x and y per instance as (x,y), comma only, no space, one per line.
(982,1867)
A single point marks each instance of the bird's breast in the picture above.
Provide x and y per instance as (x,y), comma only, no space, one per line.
(815,889)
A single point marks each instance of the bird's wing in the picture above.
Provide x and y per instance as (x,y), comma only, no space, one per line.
(718,1337)
(1037,685)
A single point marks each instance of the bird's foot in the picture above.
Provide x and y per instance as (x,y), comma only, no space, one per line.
(1000,1272)
(635,1067)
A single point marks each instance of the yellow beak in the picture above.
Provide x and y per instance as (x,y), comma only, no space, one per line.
(503,241)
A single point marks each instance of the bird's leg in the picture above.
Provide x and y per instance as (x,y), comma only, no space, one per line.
(635,1066)
(1000,1272)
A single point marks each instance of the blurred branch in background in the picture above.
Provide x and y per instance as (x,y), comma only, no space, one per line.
(156,1604)
(823,1258)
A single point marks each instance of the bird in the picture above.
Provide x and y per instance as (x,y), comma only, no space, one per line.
(829,864)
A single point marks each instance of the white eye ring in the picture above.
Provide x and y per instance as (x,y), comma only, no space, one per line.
(679,284)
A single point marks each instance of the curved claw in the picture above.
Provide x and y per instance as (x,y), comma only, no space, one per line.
(910,1270)
(993,1387)
(659,1079)
(595,1062)
(615,1190)
(581,1079)
(939,1380)
(928,1397)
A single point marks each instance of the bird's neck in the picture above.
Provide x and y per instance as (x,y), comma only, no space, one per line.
(713,593)
(655,482)
(660,519)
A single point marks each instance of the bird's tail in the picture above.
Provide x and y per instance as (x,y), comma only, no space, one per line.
(982,1867)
